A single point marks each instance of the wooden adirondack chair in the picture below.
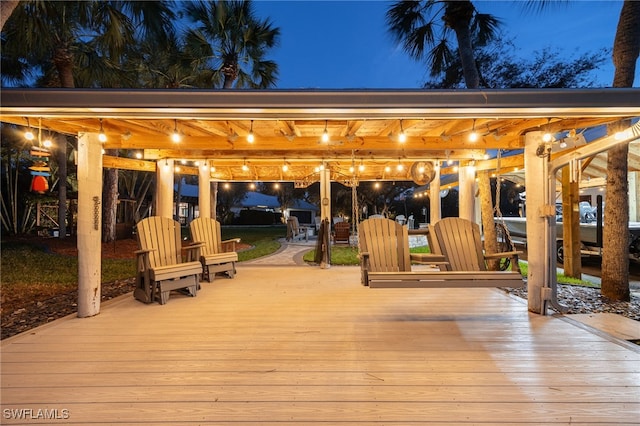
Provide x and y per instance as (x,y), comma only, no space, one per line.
(215,255)
(294,230)
(161,268)
(341,233)
(384,248)
(459,240)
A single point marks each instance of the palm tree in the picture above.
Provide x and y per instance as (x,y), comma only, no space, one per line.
(231,44)
(81,43)
(228,47)
(615,255)
(429,24)
(425,30)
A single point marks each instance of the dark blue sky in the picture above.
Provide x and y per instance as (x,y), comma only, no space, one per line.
(344,44)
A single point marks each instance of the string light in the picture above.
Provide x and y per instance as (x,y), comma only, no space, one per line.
(325,134)
(402,137)
(473,136)
(546,137)
(250,137)
(101,136)
(175,137)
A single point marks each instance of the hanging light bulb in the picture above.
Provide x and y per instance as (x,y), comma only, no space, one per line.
(245,167)
(399,167)
(473,136)
(402,137)
(139,155)
(361,166)
(101,136)
(47,143)
(212,169)
(250,137)
(325,134)
(175,136)
(285,167)
(28,134)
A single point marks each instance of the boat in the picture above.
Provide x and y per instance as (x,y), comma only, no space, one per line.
(590,236)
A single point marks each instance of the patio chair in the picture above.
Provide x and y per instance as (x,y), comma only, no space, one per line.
(341,233)
(384,248)
(459,240)
(295,231)
(161,268)
(215,255)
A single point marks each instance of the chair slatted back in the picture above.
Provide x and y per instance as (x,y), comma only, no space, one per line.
(387,243)
(162,236)
(342,231)
(460,241)
(207,230)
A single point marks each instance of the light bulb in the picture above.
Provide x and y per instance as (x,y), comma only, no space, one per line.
(138,155)
(101,136)
(245,167)
(175,137)
(250,137)
(285,167)
(47,143)
(546,137)
(28,135)
(473,136)
(402,137)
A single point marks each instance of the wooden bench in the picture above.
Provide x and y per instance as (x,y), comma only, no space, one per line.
(160,267)
(216,255)
(386,263)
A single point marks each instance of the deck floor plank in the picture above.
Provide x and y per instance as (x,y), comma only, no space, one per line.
(302,345)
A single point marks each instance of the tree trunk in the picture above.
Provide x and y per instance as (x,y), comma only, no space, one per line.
(615,233)
(61,158)
(214,199)
(488,225)
(109,202)
(458,17)
(615,254)
(63,61)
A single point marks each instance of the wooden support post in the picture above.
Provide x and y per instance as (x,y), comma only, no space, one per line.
(467,184)
(571,224)
(89,224)
(535,175)
(434,197)
(204,191)
(325,195)
(164,188)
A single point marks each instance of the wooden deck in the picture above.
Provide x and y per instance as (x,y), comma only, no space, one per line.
(303,345)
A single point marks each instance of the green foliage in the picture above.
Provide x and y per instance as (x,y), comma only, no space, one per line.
(25,265)
(263,240)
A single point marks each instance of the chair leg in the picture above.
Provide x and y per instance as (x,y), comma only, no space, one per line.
(164,296)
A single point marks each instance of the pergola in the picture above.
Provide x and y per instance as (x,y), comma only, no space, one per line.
(364,128)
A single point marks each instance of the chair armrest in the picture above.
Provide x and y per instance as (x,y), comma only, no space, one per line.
(193,251)
(231,242)
(139,252)
(502,255)
(428,258)
(515,266)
